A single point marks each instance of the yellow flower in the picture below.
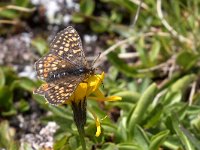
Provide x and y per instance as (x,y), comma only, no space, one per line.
(86,89)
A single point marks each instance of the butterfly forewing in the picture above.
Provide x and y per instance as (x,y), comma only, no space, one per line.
(50,65)
(67,44)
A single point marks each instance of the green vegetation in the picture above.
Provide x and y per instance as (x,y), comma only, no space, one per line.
(153,64)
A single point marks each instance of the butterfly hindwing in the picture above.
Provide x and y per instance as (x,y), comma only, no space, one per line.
(43,88)
(61,92)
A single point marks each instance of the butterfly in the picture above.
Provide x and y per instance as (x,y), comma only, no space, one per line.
(63,68)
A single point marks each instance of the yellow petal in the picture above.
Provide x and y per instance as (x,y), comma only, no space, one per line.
(98,93)
(85,88)
(97,121)
(79,93)
(110,98)
(94,82)
(98,125)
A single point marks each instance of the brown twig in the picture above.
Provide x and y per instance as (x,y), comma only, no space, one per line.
(13,22)
(18,8)
(194,84)
(181,38)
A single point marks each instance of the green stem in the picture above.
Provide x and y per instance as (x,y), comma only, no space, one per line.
(79,110)
(82,139)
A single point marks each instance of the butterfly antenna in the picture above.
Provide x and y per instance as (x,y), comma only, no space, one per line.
(96,59)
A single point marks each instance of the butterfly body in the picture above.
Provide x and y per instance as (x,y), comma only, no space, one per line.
(70,72)
(63,68)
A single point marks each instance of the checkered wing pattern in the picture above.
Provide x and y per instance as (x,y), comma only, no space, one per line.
(60,66)
(51,64)
(67,44)
(43,88)
(58,92)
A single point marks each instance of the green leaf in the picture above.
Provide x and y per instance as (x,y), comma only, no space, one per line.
(99,26)
(183,83)
(108,146)
(10,14)
(121,134)
(128,96)
(11,112)
(2,78)
(143,54)
(185,141)
(138,112)
(141,137)
(187,59)
(126,4)
(128,146)
(158,139)
(87,7)
(10,75)
(77,18)
(121,65)
(24,83)
(60,111)
(7,137)
(155,49)
(23,105)
(61,143)
(154,116)
(6,98)
(40,45)
(191,137)
(172,98)
(22,3)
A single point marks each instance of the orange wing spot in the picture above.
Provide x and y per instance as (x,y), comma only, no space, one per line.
(50,58)
(45,75)
(45,87)
(46,70)
(46,64)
